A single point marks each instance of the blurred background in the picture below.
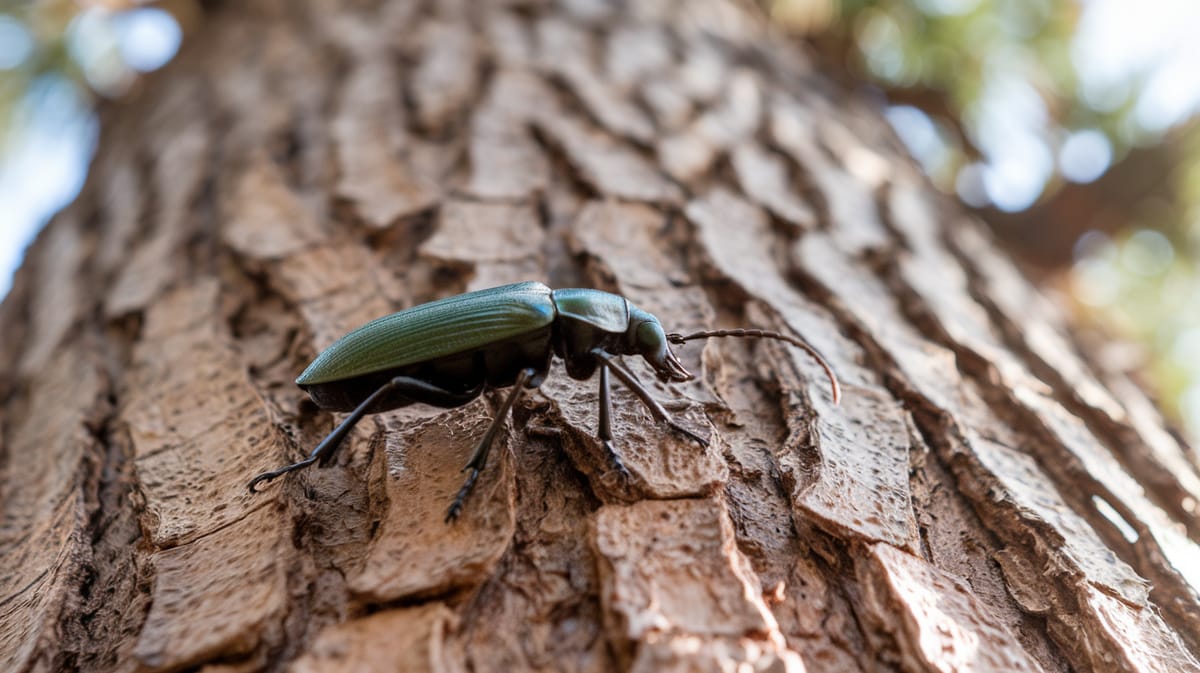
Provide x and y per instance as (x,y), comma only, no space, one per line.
(1070,126)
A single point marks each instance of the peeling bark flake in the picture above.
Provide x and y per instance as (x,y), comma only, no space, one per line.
(941,625)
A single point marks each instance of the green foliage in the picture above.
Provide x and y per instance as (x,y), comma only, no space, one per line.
(1014,86)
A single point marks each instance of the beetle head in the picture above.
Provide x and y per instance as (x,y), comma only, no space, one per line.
(648,340)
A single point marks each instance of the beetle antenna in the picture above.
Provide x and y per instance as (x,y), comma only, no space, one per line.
(678,339)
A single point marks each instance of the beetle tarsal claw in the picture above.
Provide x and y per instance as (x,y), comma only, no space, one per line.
(461,496)
(275,474)
(614,459)
(253,485)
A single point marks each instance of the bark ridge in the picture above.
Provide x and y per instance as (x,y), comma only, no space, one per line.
(984,498)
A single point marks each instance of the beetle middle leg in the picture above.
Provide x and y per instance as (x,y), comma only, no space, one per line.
(604,424)
(406,386)
(656,409)
(527,377)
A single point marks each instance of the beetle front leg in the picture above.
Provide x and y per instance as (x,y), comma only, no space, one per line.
(479,457)
(644,395)
(604,425)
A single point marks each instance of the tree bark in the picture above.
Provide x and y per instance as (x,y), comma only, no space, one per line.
(984,498)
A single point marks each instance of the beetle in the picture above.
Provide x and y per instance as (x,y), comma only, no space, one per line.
(448,352)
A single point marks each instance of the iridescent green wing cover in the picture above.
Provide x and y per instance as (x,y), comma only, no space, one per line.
(443,327)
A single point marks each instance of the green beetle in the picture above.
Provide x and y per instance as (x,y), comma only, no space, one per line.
(447,352)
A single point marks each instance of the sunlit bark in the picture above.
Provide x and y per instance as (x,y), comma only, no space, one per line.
(982,499)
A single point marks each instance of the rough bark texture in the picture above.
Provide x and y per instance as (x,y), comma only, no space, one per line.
(983,499)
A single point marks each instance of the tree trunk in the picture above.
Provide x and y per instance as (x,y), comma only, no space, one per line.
(984,498)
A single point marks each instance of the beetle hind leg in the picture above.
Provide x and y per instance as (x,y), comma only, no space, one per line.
(479,458)
(410,387)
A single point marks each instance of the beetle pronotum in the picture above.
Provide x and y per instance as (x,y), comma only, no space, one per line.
(448,352)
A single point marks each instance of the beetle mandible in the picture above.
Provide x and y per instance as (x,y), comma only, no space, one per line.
(448,352)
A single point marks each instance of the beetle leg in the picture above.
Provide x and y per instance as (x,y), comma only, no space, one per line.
(644,395)
(604,429)
(328,447)
(479,458)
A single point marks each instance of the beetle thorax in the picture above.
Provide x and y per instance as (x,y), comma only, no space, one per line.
(574,341)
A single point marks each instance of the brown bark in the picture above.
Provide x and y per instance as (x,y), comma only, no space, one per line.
(983,499)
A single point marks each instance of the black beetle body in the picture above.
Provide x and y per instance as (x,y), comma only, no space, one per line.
(448,352)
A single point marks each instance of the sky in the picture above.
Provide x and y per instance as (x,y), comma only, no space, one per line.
(45,165)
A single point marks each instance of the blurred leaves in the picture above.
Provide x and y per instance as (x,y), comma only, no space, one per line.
(58,60)
(1069,125)
(1000,81)
(50,47)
